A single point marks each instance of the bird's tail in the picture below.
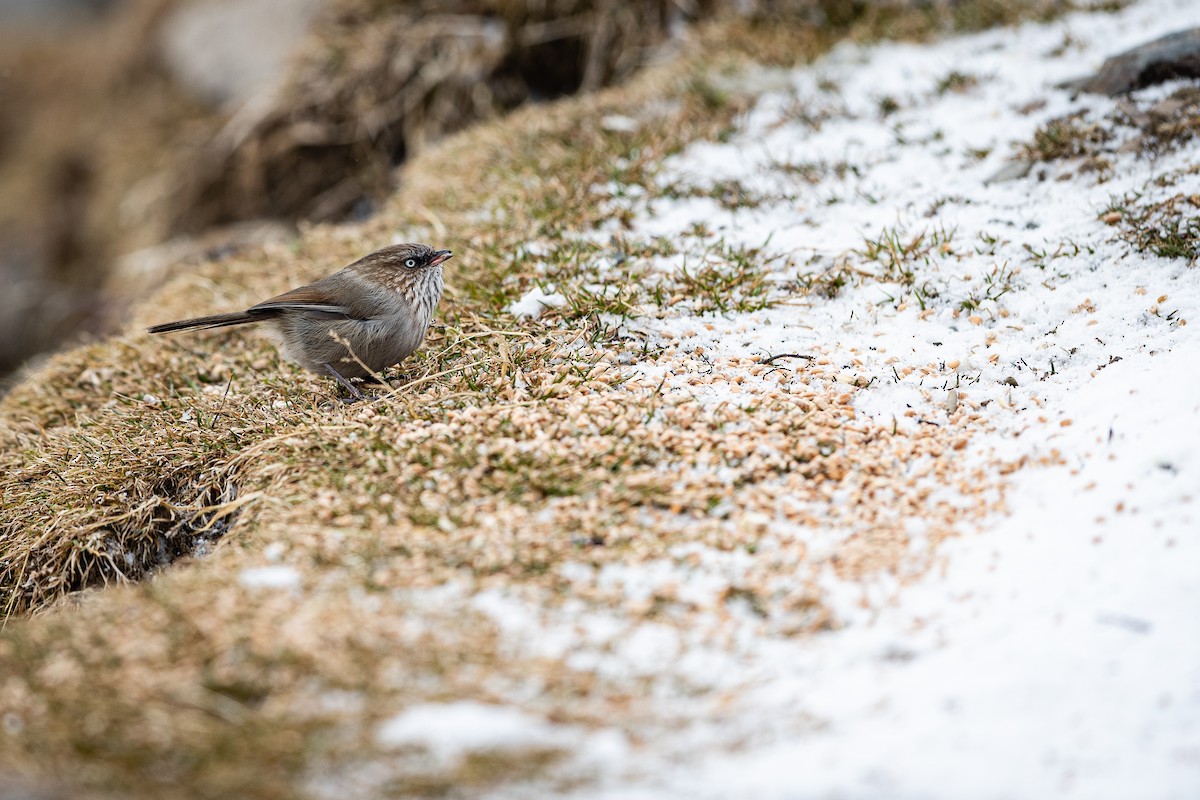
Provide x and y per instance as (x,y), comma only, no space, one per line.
(214,321)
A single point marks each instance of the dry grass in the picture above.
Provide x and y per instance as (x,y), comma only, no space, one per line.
(1138,125)
(508,451)
(1169,228)
(382,80)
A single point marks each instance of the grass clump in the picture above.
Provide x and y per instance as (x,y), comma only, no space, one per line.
(1149,127)
(120,493)
(996,283)
(734,281)
(1169,228)
(956,82)
(1066,137)
(899,255)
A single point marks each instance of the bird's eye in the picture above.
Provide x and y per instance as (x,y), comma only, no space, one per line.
(410,262)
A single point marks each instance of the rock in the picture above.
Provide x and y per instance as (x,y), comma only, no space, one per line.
(30,14)
(1012,171)
(135,275)
(1174,56)
(230,51)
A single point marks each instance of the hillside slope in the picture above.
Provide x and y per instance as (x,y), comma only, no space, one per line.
(767,445)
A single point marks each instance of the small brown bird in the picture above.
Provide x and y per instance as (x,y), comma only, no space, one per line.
(361,319)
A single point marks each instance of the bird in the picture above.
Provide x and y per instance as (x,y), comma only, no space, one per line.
(354,323)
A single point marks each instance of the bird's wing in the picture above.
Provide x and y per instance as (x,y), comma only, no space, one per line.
(311,299)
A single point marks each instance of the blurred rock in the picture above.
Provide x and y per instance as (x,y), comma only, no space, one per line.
(143,271)
(38,13)
(1174,56)
(380,80)
(230,51)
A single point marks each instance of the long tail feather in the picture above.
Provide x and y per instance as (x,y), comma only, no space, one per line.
(214,321)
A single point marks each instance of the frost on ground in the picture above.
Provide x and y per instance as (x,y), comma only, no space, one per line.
(1050,649)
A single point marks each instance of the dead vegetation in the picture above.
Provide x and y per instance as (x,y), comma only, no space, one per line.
(1169,228)
(1141,124)
(1147,126)
(383,80)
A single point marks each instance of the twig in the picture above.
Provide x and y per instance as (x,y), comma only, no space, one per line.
(771,360)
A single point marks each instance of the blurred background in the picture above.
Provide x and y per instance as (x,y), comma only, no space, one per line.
(136,135)
(139,134)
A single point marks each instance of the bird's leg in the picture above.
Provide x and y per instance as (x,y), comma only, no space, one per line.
(350,387)
(375,379)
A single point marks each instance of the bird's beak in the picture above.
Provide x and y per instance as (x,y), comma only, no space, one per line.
(439,256)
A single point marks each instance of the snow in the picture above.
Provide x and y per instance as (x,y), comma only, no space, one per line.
(1052,649)
(273,577)
(1058,654)
(1056,651)
(450,730)
(619,123)
(449,733)
(534,302)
